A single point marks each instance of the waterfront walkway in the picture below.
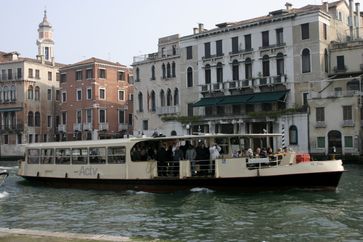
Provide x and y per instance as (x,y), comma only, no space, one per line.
(26,235)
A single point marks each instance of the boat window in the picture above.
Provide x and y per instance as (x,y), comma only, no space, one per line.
(223,143)
(63,156)
(144,151)
(79,156)
(116,155)
(33,156)
(97,155)
(47,156)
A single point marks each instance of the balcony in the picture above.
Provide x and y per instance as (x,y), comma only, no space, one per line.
(167,110)
(232,85)
(320,124)
(348,123)
(340,69)
(205,88)
(77,127)
(247,83)
(273,47)
(62,128)
(242,51)
(334,94)
(212,57)
(87,126)
(11,127)
(217,87)
(103,126)
(123,127)
(278,79)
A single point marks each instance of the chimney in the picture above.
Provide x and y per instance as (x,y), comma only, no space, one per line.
(358,18)
(288,6)
(195,31)
(351,19)
(200,27)
(326,6)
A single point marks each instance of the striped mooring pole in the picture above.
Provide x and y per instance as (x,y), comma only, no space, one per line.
(283,136)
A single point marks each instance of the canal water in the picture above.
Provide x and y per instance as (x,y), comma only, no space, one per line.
(197,215)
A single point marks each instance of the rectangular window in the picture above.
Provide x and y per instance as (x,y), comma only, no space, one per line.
(248,43)
(207,50)
(279,36)
(63,77)
(89,73)
(121,75)
(325,32)
(3,75)
(130,118)
(235,44)
(30,73)
(89,115)
(79,75)
(121,95)
(305,31)
(19,73)
(340,63)
(347,113)
(79,116)
(320,114)
(348,141)
(219,48)
(320,142)
(265,39)
(64,97)
(49,94)
(30,138)
(190,109)
(116,155)
(79,94)
(10,74)
(102,73)
(49,75)
(89,93)
(102,116)
(189,52)
(64,117)
(102,93)
(121,116)
(49,121)
(97,155)
(45,137)
(57,95)
(145,124)
(6,139)
(37,74)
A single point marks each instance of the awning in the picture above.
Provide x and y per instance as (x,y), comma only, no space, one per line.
(266,97)
(209,101)
(236,99)
(11,109)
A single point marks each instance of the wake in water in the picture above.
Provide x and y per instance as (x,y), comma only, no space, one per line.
(3,195)
(201,189)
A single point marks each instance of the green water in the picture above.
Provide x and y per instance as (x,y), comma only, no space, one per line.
(198,215)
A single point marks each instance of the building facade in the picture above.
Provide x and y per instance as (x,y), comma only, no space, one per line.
(96,100)
(28,96)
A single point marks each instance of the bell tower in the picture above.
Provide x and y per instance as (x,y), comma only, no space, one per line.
(45,41)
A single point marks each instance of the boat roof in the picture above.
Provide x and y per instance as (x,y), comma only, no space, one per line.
(135,140)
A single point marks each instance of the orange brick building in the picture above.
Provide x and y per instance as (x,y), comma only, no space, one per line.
(96,100)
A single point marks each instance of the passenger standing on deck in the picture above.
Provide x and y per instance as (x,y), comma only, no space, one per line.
(214,154)
(190,155)
(161,158)
(177,156)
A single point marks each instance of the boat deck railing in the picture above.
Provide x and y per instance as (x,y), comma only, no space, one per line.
(199,168)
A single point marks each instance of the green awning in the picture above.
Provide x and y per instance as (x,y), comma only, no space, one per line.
(209,101)
(236,99)
(16,109)
(266,97)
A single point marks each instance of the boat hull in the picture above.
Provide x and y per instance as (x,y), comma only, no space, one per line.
(319,180)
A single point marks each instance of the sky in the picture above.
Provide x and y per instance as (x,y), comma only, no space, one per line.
(118,30)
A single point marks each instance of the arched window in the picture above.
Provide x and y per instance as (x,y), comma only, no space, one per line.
(37,93)
(163,70)
(189,77)
(235,70)
(141,105)
(219,72)
(153,101)
(326,62)
(153,73)
(162,98)
(173,133)
(207,74)
(353,85)
(305,60)
(137,79)
(265,65)
(168,73)
(169,98)
(280,65)
(37,119)
(6,94)
(30,92)
(173,69)
(30,119)
(248,68)
(176,97)
(293,138)
(13,93)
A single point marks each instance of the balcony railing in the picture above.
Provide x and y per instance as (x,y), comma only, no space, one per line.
(241,51)
(348,123)
(334,94)
(167,110)
(77,127)
(320,124)
(12,127)
(217,87)
(87,126)
(123,127)
(103,126)
(12,77)
(205,88)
